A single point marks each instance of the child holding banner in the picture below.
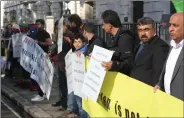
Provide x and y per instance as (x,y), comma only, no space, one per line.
(75,102)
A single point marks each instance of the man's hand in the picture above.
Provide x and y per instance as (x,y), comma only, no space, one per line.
(107,65)
(156,88)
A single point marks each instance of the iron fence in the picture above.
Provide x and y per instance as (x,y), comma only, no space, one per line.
(131,26)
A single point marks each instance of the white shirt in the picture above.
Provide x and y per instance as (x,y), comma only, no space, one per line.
(170,64)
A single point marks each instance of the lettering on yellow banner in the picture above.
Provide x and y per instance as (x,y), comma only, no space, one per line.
(117,108)
(127,112)
(105,101)
(118,99)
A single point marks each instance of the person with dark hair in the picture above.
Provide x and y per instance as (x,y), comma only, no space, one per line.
(75,20)
(89,34)
(74,101)
(40,21)
(121,42)
(75,23)
(8,31)
(7,34)
(53,47)
(43,38)
(60,62)
(44,41)
(150,55)
(32,31)
(9,50)
(79,43)
(53,56)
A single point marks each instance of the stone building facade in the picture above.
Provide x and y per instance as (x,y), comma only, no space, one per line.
(28,12)
(129,11)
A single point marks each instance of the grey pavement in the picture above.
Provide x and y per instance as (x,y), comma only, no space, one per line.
(22,98)
(6,113)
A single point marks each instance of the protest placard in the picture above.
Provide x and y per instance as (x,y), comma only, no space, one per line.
(78,72)
(34,60)
(75,73)
(68,68)
(28,54)
(60,35)
(95,75)
(42,73)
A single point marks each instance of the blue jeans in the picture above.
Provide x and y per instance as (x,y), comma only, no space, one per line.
(82,113)
(75,105)
(72,104)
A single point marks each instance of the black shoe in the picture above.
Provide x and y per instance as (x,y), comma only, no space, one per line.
(57,104)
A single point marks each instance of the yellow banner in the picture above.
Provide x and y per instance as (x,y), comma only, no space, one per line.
(122,96)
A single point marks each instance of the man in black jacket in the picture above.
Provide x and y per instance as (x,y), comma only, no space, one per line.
(121,42)
(75,23)
(60,62)
(150,55)
(89,34)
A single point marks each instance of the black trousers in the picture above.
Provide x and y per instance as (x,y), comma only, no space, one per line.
(63,88)
(25,74)
(14,65)
(40,92)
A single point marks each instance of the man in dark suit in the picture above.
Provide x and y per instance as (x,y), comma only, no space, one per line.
(150,55)
(172,77)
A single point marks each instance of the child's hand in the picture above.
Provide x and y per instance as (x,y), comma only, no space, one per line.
(89,56)
(78,54)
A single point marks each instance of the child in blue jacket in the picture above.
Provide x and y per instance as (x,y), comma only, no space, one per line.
(75,102)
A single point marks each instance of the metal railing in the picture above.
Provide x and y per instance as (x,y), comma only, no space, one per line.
(131,26)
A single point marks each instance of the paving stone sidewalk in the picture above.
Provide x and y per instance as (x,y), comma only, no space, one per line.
(22,98)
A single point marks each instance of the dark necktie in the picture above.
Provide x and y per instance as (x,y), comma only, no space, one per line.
(140,49)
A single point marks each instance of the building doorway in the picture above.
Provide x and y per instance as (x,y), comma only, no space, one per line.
(138,10)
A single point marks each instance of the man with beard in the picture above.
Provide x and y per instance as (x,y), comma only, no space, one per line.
(60,62)
(44,41)
(121,43)
(75,23)
(150,55)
